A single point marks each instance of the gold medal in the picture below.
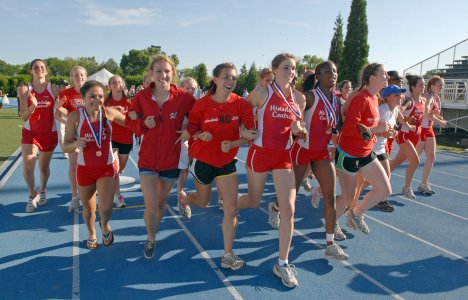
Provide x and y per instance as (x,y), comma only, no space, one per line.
(98,153)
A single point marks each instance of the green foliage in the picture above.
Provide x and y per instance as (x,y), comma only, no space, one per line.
(200,74)
(135,80)
(7,69)
(308,62)
(251,80)
(337,44)
(356,48)
(112,66)
(136,61)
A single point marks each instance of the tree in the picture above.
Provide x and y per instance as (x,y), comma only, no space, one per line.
(336,47)
(356,48)
(7,69)
(241,80)
(136,61)
(251,80)
(308,62)
(112,66)
(200,74)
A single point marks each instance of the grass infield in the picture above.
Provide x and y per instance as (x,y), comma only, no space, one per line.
(10,132)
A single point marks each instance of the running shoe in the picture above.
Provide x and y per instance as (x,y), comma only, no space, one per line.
(408,192)
(339,234)
(119,201)
(220,204)
(385,206)
(32,203)
(184,210)
(315,200)
(425,189)
(306,184)
(148,250)
(273,216)
(232,261)
(74,204)
(334,251)
(287,273)
(356,221)
(42,199)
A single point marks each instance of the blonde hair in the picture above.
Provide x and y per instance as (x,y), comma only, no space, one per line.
(76,68)
(189,80)
(165,58)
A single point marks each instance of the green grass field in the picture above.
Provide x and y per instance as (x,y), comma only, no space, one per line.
(10,132)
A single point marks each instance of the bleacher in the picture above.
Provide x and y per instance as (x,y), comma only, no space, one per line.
(457,70)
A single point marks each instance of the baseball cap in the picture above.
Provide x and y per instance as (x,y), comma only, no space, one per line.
(392,89)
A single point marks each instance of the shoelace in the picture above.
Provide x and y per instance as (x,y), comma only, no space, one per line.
(290,270)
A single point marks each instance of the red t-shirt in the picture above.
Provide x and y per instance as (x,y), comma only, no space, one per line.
(73,99)
(364,109)
(121,134)
(222,120)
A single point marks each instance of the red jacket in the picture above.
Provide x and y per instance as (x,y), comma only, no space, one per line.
(158,150)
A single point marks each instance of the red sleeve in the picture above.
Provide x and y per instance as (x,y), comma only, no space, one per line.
(194,119)
(247,117)
(137,126)
(355,111)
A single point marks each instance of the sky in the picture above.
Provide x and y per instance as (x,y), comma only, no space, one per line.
(401,32)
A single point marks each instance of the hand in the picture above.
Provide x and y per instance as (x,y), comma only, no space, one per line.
(184,136)
(133,115)
(226,146)
(249,134)
(205,136)
(364,130)
(59,103)
(80,143)
(33,101)
(119,108)
(410,120)
(443,123)
(150,122)
(412,128)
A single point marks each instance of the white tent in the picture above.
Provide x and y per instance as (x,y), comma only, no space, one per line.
(102,76)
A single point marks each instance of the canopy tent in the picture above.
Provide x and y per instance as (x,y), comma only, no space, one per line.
(102,76)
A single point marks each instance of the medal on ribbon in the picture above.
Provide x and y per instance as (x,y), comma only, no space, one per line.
(96,134)
(291,104)
(330,109)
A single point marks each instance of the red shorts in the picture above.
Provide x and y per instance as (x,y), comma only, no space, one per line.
(426,132)
(45,141)
(89,175)
(262,160)
(302,156)
(404,137)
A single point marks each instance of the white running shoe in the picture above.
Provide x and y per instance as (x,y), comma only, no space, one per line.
(334,251)
(74,204)
(287,274)
(315,200)
(119,201)
(425,189)
(339,234)
(408,192)
(42,199)
(220,204)
(306,184)
(32,203)
(273,216)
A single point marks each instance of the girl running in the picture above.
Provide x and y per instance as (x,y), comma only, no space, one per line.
(122,136)
(279,110)
(427,141)
(214,123)
(157,114)
(321,117)
(39,132)
(406,139)
(89,129)
(354,154)
(70,100)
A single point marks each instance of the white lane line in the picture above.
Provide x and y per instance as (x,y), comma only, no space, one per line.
(448,153)
(450,174)
(345,263)
(76,257)
(231,289)
(418,239)
(10,172)
(434,208)
(432,184)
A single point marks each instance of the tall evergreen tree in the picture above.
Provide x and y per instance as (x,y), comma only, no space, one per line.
(356,48)
(337,46)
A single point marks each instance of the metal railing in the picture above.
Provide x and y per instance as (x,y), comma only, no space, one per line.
(455,91)
(443,58)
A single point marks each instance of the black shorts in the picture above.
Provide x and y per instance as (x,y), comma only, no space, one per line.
(382,157)
(350,164)
(205,173)
(122,148)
